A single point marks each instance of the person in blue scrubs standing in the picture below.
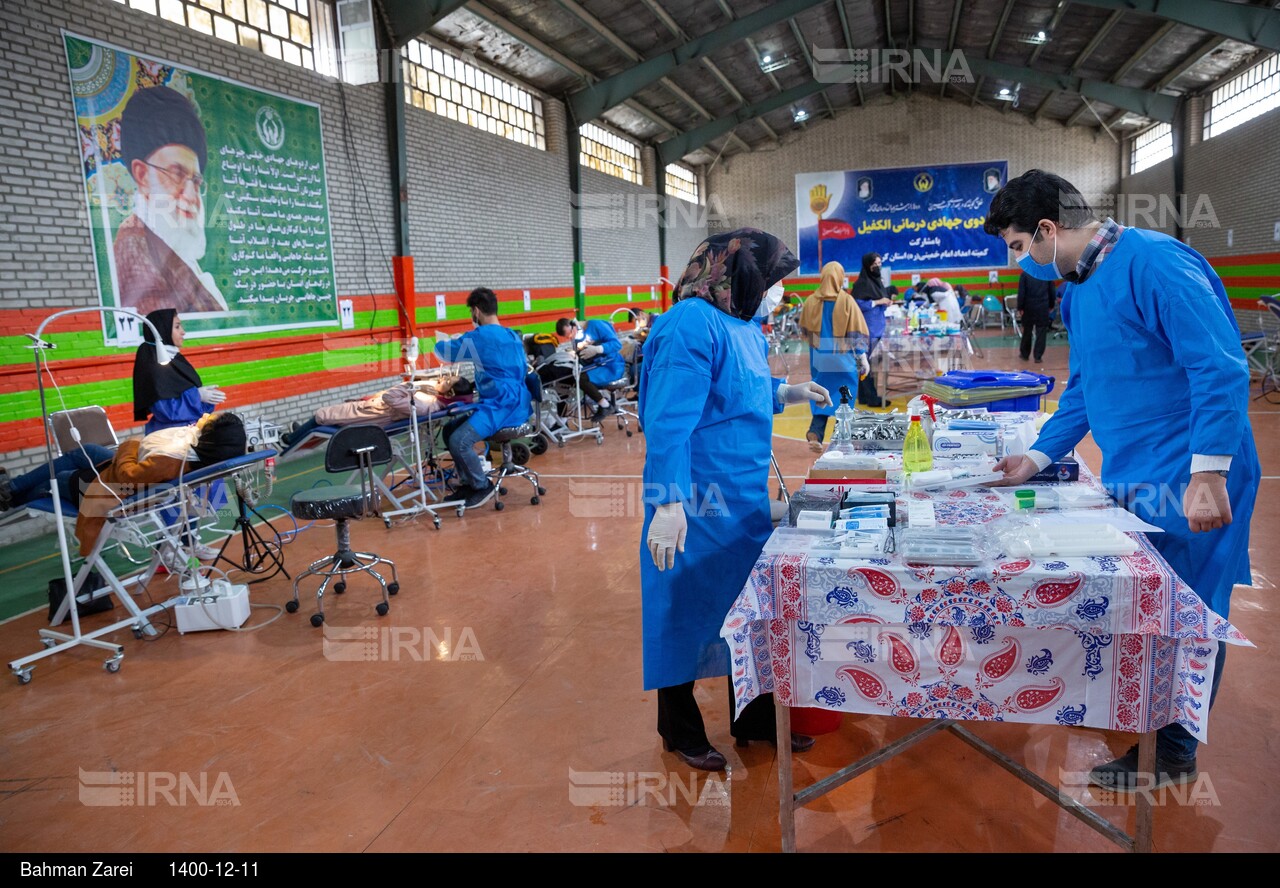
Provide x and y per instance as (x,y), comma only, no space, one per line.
(837,335)
(707,403)
(498,355)
(1158,376)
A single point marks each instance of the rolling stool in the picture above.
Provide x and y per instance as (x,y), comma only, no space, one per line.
(509,467)
(620,410)
(354,448)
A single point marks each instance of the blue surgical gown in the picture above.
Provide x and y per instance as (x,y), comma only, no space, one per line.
(609,366)
(831,368)
(184,410)
(498,354)
(1157,374)
(706,404)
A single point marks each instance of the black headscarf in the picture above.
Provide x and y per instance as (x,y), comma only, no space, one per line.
(748,260)
(151,381)
(868,285)
(222,438)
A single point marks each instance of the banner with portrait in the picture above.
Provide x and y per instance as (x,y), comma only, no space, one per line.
(916,218)
(204,195)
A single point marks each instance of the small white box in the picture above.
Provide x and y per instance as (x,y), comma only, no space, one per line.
(964,442)
(813,520)
(220,606)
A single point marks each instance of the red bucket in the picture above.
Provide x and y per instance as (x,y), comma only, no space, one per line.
(812,722)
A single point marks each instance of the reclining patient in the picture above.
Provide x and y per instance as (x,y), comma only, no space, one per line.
(155,458)
(381,408)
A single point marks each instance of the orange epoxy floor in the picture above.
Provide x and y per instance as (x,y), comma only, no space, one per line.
(515,695)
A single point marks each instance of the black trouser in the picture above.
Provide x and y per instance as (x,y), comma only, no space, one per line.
(557,372)
(1040,324)
(680,721)
(868,396)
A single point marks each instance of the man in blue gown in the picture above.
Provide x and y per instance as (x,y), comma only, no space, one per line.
(1158,376)
(498,355)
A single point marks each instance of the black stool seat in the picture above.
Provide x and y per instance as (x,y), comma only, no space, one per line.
(339,501)
(510,433)
(624,382)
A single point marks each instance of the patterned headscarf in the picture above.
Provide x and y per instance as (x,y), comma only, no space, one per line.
(732,271)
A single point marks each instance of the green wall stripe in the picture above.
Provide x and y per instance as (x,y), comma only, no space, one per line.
(88,343)
(26,404)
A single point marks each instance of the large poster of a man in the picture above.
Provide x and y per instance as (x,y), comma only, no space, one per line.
(204,195)
(158,247)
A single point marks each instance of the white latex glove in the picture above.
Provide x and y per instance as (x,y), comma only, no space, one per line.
(864,366)
(804,391)
(441,336)
(590,351)
(211,394)
(666,534)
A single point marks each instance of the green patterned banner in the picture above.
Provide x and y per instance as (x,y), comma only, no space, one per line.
(204,195)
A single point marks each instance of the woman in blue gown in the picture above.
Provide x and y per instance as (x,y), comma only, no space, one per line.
(706,404)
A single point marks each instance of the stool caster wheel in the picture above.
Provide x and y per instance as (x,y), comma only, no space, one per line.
(533,500)
(382,608)
(599,440)
(291,606)
(628,433)
(112,665)
(393,588)
(499,505)
(435,521)
(137,633)
(461,509)
(317,620)
(49,642)
(502,491)
(560,444)
(23,675)
(542,491)
(386,523)
(339,587)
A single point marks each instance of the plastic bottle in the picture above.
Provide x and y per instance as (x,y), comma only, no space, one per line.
(845,416)
(917,456)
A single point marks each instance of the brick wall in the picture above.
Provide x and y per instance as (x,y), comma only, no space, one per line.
(758,189)
(486,211)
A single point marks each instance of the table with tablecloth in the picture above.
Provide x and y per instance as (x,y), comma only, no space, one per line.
(919,356)
(1113,642)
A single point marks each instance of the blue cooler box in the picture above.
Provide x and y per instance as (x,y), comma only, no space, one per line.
(979,379)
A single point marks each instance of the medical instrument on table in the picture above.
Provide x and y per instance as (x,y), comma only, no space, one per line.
(873,499)
(943,545)
(813,520)
(917,456)
(828,500)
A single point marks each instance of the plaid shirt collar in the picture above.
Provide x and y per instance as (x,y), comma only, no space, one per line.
(1096,250)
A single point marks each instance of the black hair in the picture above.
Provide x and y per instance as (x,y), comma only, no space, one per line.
(222,438)
(1033,196)
(483,300)
(893,290)
(563,325)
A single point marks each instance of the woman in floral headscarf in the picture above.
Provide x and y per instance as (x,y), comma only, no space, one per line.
(706,404)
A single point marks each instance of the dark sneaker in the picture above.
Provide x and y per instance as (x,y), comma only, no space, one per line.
(458,494)
(1122,774)
(478,495)
(6,491)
